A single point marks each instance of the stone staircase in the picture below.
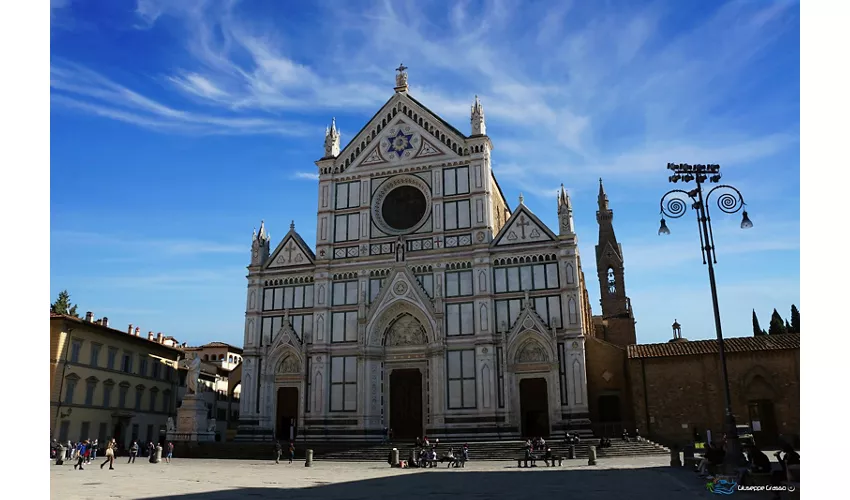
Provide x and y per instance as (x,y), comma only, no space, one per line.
(369,452)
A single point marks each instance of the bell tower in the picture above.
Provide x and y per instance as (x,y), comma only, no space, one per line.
(617,311)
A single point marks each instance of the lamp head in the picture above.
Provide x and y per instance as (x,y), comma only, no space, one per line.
(746,223)
(663,229)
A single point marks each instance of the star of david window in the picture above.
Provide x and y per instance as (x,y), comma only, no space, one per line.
(612,282)
(400,143)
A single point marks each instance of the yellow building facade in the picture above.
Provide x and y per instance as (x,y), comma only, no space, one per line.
(106,383)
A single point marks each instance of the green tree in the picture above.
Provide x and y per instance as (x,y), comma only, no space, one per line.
(795,319)
(63,305)
(777,324)
(756,327)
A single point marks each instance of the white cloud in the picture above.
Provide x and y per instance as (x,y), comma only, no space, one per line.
(167,247)
(312,176)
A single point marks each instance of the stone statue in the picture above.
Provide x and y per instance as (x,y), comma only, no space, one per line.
(399,250)
(169,424)
(194,368)
(401,77)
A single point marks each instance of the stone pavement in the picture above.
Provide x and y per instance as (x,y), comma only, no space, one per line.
(196,479)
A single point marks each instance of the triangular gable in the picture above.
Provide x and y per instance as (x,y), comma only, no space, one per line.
(523,227)
(285,337)
(373,147)
(528,320)
(291,252)
(401,283)
(609,252)
(529,340)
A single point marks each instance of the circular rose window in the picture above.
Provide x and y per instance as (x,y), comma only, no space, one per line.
(403,208)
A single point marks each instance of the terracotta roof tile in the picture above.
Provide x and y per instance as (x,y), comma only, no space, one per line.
(697,347)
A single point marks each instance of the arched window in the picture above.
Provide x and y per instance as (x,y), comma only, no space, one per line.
(612,282)
(221,357)
(206,357)
(230,359)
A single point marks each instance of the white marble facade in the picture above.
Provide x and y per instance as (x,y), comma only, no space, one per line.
(420,266)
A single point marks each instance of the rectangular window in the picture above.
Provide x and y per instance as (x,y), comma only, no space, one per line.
(455,181)
(303,325)
(101,434)
(76,347)
(507,311)
(562,372)
(155,369)
(375,288)
(427,282)
(127,363)
(85,427)
(107,395)
(348,195)
(143,365)
(344,327)
(458,284)
(347,227)
(152,402)
(345,293)
(460,319)
(135,432)
(461,379)
(122,396)
(456,214)
(500,374)
(111,357)
(95,355)
(70,386)
(151,437)
(521,278)
(344,383)
(287,297)
(90,387)
(64,427)
(138,405)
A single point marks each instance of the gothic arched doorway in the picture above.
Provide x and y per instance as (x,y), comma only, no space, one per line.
(534,407)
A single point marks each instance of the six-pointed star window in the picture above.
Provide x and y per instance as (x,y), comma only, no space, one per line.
(400,143)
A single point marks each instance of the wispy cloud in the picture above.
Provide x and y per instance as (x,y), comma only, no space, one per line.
(162,247)
(80,88)
(310,176)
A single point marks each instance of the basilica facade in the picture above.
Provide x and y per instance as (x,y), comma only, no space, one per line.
(430,306)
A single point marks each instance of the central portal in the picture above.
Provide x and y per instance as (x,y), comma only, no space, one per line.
(287,414)
(534,407)
(406,403)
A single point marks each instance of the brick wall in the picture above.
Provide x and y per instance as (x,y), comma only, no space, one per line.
(602,357)
(688,390)
(620,331)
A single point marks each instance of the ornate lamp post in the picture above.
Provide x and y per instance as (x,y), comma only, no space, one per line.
(729,200)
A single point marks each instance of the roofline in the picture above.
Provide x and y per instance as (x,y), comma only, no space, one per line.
(499,189)
(631,354)
(110,330)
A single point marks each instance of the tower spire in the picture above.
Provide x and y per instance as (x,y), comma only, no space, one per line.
(332,140)
(565,213)
(603,198)
(477,118)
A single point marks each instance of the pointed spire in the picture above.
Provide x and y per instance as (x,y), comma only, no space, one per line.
(477,118)
(564,199)
(332,140)
(521,199)
(292,226)
(603,198)
(254,234)
(262,233)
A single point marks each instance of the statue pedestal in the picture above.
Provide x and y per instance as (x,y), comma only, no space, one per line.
(192,421)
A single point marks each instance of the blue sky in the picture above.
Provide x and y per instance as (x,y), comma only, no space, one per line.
(177,126)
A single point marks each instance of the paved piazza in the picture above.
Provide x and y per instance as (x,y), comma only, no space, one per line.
(190,479)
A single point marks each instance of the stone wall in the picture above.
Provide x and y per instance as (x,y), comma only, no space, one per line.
(674,394)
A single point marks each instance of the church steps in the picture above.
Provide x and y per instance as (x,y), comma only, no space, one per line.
(360,452)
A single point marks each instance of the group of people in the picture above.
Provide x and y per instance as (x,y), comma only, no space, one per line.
(424,454)
(85,452)
(571,438)
(757,461)
(278,451)
(535,444)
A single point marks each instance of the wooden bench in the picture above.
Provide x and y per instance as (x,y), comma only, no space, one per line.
(551,460)
(532,458)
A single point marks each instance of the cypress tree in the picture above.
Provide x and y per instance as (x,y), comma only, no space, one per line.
(756,327)
(777,324)
(795,319)
(63,305)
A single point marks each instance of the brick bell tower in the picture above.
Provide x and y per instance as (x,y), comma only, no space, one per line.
(617,315)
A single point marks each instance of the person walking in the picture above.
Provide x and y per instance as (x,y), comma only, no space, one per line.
(110,454)
(81,455)
(291,451)
(93,453)
(134,451)
(278,451)
(169,451)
